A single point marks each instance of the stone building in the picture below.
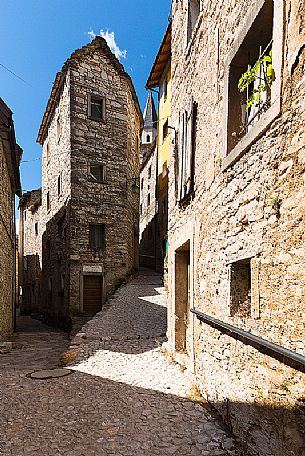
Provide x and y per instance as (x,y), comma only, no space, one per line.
(10,156)
(236,214)
(154,216)
(30,251)
(148,182)
(89,215)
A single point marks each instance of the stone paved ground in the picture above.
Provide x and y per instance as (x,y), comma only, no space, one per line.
(123,397)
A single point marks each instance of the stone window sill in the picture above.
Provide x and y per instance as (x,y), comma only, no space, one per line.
(252,136)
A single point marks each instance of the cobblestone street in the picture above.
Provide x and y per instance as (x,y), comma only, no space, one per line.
(122,397)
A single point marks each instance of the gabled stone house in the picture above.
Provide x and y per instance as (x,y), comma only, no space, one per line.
(148,182)
(236,214)
(10,156)
(90,137)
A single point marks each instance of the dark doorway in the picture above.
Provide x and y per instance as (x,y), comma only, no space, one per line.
(182,296)
(92,294)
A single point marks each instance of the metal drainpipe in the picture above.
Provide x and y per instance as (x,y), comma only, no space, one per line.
(15,265)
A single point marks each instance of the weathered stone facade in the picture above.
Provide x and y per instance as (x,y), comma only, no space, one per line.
(10,155)
(90,170)
(148,208)
(30,251)
(242,222)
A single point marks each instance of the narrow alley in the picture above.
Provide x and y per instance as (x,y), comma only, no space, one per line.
(121,396)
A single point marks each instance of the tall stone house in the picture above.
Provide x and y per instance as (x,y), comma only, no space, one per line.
(89,214)
(148,182)
(30,251)
(236,214)
(10,186)
(154,239)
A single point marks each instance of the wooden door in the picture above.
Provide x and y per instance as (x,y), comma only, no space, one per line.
(92,294)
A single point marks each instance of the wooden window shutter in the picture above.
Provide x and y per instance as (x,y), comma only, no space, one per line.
(180,155)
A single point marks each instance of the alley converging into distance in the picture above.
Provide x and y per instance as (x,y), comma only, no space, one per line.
(152,242)
(122,397)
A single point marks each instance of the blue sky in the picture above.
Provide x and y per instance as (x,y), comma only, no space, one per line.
(37,36)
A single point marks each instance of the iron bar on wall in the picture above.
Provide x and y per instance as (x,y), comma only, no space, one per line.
(284,355)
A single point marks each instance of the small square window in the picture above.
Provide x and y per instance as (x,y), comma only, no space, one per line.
(240,288)
(96,108)
(97,236)
(98,173)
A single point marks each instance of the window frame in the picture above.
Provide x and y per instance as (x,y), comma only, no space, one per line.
(260,127)
(58,128)
(93,237)
(104,172)
(186,153)
(102,100)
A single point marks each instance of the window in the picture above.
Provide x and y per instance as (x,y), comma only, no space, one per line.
(148,138)
(98,173)
(246,122)
(165,84)
(97,108)
(141,209)
(59,185)
(36,229)
(142,183)
(192,16)
(58,128)
(256,45)
(149,172)
(148,199)
(25,215)
(165,130)
(48,201)
(48,151)
(97,236)
(240,288)
(186,146)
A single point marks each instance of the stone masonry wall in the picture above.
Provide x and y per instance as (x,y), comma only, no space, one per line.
(56,161)
(31,251)
(6,250)
(113,143)
(149,212)
(255,208)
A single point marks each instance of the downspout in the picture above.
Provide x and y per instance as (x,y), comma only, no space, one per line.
(15,264)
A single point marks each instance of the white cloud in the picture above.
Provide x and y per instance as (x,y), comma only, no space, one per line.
(110,40)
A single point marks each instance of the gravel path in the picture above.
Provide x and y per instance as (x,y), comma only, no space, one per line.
(122,398)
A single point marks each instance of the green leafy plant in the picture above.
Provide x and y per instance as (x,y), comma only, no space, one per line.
(252,74)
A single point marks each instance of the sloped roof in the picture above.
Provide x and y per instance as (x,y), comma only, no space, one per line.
(98,43)
(150,115)
(161,60)
(11,149)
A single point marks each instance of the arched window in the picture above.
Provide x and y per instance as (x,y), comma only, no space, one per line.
(148,138)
